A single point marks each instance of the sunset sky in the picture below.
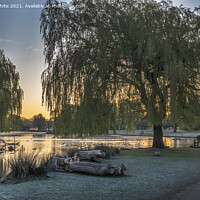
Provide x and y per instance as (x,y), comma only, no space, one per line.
(21,40)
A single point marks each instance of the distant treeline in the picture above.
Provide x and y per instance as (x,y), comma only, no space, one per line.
(37,122)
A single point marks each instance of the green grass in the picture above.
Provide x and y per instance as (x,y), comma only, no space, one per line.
(169,152)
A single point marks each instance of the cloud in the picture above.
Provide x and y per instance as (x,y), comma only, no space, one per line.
(19,43)
(31,48)
(9,41)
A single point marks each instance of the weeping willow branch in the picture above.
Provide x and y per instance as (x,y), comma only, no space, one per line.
(10,94)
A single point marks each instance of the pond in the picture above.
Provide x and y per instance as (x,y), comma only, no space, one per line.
(48,144)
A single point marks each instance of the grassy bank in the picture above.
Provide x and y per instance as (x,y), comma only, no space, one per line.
(147,177)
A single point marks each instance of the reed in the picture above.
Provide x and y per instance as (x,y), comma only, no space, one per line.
(25,165)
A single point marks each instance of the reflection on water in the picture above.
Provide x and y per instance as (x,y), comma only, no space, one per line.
(3,165)
(49,144)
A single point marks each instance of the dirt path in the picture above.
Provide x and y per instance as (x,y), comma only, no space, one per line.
(189,193)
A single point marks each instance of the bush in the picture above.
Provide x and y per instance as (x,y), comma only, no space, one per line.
(26,165)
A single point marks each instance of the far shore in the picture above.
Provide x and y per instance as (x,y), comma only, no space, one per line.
(17,133)
(166,133)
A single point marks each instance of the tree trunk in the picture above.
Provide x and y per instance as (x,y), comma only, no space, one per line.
(175,127)
(158,137)
(60,164)
(91,156)
(53,163)
(96,168)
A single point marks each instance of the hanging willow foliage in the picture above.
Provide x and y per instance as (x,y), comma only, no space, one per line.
(120,60)
(10,94)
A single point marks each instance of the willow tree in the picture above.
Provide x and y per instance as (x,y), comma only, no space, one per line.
(120,60)
(10,94)
(39,121)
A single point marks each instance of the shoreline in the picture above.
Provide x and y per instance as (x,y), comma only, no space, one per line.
(18,133)
(120,133)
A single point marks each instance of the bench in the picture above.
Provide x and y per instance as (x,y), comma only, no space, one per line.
(197,141)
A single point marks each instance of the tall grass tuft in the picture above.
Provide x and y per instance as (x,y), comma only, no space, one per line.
(25,165)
